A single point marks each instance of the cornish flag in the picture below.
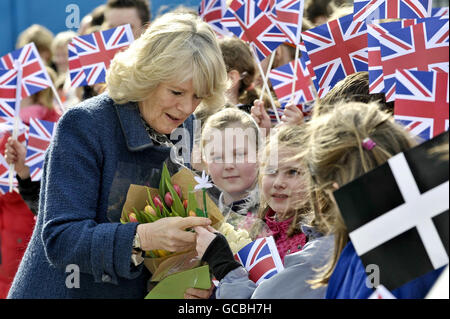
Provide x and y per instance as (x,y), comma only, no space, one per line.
(41,134)
(336,49)
(402,227)
(34,75)
(261,259)
(421,102)
(367,10)
(96,50)
(422,47)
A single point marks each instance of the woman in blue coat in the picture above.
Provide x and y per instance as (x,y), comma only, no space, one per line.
(79,249)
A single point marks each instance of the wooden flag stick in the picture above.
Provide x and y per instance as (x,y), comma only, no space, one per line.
(55,93)
(294,79)
(18,67)
(272,58)
(49,79)
(266,85)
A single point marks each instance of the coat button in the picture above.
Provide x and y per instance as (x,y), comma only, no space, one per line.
(106,278)
(288,251)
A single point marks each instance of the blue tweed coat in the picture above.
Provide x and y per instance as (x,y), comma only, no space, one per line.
(99,149)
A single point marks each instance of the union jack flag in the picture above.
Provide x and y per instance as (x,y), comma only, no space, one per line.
(76,72)
(4,176)
(391,9)
(281,79)
(337,49)
(261,259)
(288,15)
(267,5)
(440,12)
(41,134)
(211,11)
(8,85)
(273,117)
(423,47)
(253,25)
(34,74)
(377,33)
(96,50)
(421,102)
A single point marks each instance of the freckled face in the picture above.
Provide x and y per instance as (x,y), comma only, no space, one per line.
(282,185)
(169,105)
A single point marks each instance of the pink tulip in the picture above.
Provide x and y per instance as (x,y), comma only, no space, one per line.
(168,199)
(132,217)
(158,203)
(177,189)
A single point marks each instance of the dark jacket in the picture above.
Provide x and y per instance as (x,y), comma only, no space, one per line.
(99,149)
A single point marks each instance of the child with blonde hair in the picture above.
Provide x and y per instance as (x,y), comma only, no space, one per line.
(335,154)
(229,144)
(284,207)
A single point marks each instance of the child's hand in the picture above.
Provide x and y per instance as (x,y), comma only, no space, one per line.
(195,293)
(205,235)
(15,153)
(292,115)
(260,115)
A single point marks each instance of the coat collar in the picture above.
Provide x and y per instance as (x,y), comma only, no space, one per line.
(136,135)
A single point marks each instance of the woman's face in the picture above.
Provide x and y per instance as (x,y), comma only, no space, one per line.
(169,105)
(282,184)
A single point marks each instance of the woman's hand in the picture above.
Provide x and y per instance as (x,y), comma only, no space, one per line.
(292,115)
(15,153)
(205,235)
(261,117)
(170,233)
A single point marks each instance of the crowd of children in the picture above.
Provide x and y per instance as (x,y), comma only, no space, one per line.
(284,175)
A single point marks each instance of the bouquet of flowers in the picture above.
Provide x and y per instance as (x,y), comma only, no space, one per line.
(183,194)
(177,195)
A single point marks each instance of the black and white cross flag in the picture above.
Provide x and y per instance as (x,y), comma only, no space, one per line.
(397,215)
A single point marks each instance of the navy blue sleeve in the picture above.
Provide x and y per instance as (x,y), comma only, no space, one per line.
(70,192)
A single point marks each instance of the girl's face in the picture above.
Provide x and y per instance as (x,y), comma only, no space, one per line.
(282,184)
(232,165)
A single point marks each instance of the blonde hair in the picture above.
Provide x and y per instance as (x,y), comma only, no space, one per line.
(176,47)
(334,154)
(226,118)
(62,39)
(42,38)
(289,138)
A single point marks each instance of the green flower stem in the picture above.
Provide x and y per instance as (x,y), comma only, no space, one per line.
(204,202)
